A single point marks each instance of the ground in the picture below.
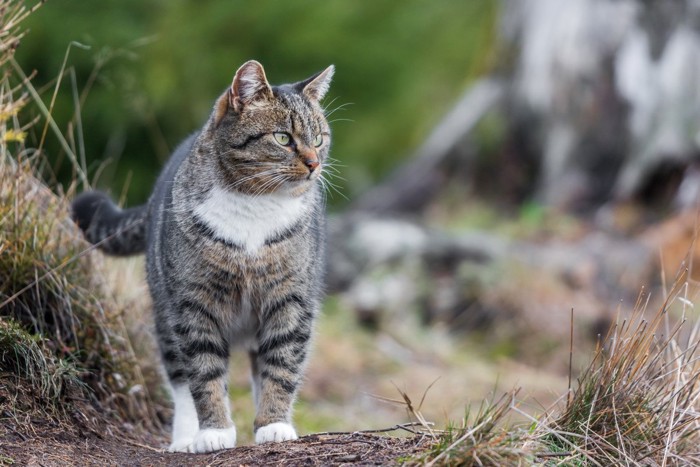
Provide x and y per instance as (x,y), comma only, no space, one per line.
(34,432)
(50,445)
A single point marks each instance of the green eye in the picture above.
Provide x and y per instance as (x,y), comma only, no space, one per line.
(318,140)
(282,138)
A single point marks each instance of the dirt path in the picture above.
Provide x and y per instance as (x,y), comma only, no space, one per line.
(57,448)
(80,432)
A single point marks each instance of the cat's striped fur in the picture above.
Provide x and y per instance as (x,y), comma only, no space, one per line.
(234,239)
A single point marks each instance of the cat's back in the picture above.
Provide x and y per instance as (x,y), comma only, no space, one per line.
(162,191)
(160,206)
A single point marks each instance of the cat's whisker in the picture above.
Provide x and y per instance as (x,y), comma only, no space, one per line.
(324,194)
(341,120)
(329,104)
(330,187)
(332,175)
(325,107)
(241,181)
(325,190)
(335,182)
(332,172)
(329,169)
(331,184)
(333,165)
(254,176)
(334,162)
(340,107)
(275,181)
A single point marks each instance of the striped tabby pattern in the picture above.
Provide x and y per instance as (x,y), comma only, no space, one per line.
(234,238)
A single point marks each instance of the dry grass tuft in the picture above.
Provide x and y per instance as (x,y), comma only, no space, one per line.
(482,438)
(27,357)
(58,323)
(636,402)
(53,288)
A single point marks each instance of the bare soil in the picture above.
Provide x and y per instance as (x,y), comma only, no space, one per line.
(352,449)
(32,433)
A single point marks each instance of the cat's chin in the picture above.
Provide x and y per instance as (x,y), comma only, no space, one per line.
(296,188)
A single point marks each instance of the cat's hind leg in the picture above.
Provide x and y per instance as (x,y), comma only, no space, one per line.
(185,421)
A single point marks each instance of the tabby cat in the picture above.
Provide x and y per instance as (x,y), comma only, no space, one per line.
(234,238)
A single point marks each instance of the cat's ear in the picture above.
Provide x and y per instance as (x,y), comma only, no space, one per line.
(317,86)
(249,85)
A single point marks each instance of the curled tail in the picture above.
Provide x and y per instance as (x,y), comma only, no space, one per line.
(119,232)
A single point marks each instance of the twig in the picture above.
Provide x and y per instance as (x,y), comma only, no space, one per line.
(134,443)
(571,356)
(554,454)
(401,426)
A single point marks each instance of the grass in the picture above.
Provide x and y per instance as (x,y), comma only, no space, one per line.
(28,357)
(52,287)
(481,439)
(59,326)
(635,403)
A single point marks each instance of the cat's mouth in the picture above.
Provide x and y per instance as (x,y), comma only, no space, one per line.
(307,176)
(314,174)
(301,183)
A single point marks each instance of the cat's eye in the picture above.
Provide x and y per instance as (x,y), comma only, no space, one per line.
(282,138)
(318,140)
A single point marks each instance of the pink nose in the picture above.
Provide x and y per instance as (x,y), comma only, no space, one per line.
(311,164)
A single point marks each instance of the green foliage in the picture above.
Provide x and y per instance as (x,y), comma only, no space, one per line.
(159,66)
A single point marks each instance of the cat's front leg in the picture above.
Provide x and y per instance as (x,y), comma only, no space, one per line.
(207,353)
(278,364)
(216,429)
(271,404)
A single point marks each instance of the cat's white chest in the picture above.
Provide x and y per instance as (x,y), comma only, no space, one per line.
(249,221)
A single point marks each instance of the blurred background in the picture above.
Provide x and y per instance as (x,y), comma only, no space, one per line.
(502,163)
(154,68)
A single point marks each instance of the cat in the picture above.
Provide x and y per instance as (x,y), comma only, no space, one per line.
(234,240)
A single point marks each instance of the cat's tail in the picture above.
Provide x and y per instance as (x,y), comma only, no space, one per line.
(119,232)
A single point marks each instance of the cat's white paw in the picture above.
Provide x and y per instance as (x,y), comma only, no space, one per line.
(213,439)
(275,433)
(181,445)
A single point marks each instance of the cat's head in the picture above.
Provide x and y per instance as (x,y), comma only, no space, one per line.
(271,138)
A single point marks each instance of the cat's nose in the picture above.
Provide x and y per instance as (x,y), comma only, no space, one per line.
(311,164)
